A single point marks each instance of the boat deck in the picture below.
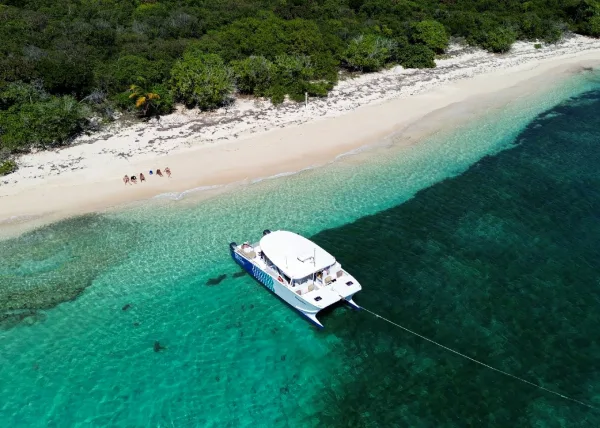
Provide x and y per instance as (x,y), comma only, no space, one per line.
(306,289)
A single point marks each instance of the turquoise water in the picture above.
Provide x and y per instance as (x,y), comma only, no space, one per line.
(496,258)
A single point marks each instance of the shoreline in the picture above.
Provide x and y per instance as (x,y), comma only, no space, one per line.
(29,201)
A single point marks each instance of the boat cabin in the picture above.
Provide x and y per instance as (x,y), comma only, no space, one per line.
(299,263)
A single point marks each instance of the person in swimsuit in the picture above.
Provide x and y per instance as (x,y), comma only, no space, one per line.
(133,179)
(168,171)
(159,173)
(126,179)
(142,178)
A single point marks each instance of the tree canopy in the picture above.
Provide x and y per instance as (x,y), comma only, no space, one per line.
(63,61)
(202,80)
(432,34)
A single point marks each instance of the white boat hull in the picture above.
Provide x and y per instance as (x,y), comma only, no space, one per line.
(272,284)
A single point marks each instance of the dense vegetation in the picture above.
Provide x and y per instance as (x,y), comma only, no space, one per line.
(65,61)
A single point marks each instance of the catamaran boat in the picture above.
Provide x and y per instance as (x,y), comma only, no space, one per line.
(297,270)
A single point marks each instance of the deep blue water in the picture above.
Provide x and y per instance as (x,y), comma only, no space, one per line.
(500,263)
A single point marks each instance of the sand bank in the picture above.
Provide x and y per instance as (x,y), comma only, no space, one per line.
(253,139)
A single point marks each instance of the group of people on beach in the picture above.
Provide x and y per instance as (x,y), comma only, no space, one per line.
(133,179)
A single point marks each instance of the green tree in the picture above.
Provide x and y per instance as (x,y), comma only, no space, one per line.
(67,70)
(416,56)
(593,27)
(368,52)
(293,68)
(254,75)
(19,93)
(47,123)
(117,76)
(498,40)
(294,74)
(202,80)
(431,34)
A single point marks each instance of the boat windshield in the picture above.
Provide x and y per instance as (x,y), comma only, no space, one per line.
(305,280)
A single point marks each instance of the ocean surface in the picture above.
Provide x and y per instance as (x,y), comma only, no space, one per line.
(483,238)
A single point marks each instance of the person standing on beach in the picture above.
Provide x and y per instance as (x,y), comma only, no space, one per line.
(133,179)
(126,179)
(142,178)
(159,173)
(168,171)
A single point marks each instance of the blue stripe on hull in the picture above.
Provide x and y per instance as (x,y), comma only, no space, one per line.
(262,277)
(265,279)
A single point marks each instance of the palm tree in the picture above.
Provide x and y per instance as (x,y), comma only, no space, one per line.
(144,100)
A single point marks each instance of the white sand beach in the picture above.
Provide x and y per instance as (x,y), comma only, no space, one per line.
(253,139)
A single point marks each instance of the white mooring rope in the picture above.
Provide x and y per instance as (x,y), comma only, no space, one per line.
(483,364)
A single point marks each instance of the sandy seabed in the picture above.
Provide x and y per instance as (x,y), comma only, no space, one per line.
(253,139)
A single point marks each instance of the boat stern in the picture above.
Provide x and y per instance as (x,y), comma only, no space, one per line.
(346,287)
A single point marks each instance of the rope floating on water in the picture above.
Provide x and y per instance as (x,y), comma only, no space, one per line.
(481,363)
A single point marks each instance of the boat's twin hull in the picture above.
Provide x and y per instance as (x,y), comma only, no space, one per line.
(281,291)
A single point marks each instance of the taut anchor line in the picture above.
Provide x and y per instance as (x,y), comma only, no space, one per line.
(481,363)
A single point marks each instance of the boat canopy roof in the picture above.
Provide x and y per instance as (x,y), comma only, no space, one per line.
(295,255)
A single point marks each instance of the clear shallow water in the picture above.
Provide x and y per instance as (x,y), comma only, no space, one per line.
(497,260)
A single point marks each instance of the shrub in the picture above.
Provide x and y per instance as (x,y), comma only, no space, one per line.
(254,75)
(553,33)
(416,56)
(202,80)
(117,76)
(318,89)
(19,93)
(593,26)
(277,95)
(368,52)
(498,40)
(123,101)
(165,103)
(293,76)
(292,69)
(44,123)
(431,34)
(538,46)
(7,167)
(68,71)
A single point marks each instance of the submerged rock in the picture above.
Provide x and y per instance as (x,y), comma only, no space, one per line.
(127,306)
(158,347)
